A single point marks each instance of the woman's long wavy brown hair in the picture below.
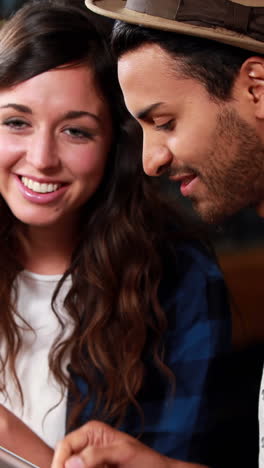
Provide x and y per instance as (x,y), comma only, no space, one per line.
(116,267)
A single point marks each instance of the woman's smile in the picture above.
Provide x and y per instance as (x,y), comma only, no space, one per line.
(39,192)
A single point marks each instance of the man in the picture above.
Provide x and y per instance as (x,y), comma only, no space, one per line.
(195,82)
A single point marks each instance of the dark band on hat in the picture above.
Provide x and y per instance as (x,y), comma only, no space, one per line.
(233,15)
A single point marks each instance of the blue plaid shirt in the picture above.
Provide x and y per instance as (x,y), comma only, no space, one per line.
(186,425)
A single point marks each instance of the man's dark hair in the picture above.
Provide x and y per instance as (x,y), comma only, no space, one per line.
(214,64)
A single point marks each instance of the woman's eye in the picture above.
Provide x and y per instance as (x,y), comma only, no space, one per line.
(79,133)
(166,126)
(16,124)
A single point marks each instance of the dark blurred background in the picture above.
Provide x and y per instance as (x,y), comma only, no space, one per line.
(7,7)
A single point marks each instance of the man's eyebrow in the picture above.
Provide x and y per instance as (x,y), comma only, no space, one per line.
(141,115)
(18,107)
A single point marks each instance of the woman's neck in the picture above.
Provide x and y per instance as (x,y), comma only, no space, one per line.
(47,250)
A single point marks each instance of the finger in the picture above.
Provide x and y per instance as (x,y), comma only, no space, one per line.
(93,433)
(77,462)
(98,457)
(62,453)
(72,443)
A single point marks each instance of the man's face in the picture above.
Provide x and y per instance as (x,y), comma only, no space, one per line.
(211,148)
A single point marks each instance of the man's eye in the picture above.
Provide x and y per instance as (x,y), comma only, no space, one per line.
(17,124)
(166,126)
(79,133)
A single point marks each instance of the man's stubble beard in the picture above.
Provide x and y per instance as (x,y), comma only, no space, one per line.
(233,173)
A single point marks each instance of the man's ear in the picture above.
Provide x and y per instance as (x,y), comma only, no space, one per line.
(252,78)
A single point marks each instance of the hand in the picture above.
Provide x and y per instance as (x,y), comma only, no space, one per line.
(20,439)
(97,445)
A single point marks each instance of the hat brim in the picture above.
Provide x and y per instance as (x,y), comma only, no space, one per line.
(115,9)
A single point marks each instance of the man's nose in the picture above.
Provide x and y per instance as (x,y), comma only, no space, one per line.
(42,153)
(156,159)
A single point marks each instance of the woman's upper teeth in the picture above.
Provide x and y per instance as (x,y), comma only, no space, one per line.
(39,187)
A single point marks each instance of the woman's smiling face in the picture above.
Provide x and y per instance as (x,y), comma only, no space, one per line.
(55,136)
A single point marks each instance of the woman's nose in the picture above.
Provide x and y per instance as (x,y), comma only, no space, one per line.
(41,152)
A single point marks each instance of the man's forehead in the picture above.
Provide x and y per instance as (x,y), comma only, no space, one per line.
(146,56)
(144,51)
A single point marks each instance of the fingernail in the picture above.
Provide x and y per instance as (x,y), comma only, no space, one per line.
(74,462)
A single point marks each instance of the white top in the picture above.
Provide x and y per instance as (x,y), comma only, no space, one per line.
(40,390)
(261,423)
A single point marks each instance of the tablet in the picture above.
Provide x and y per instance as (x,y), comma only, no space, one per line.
(11,460)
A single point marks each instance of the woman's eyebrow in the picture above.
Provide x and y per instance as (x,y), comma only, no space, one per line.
(18,107)
(76,114)
(73,114)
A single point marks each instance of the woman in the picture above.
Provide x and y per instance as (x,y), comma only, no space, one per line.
(106,307)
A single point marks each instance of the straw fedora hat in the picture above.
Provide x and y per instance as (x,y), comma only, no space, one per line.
(236,22)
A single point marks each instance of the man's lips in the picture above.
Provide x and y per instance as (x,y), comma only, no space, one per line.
(186,181)
(184,178)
